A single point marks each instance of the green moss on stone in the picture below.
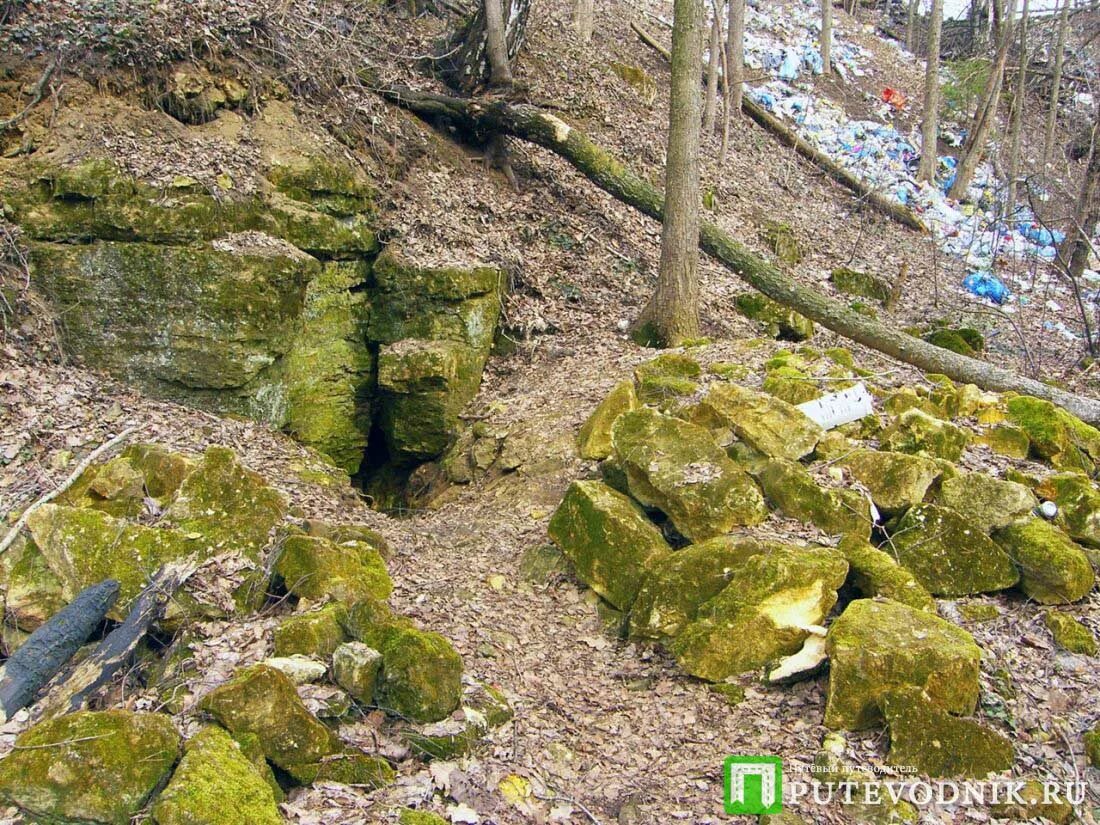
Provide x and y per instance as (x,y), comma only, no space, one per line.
(862,284)
(1092,746)
(679,583)
(949,554)
(407,816)
(348,768)
(1056,436)
(957,340)
(1078,505)
(979,612)
(781,239)
(1053,570)
(778,320)
(421,675)
(315,568)
(936,744)
(32,592)
(215,784)
(791,385)
(594,437)
(878,646)
(1038,802)
(1007,440)
(89,766)
(895,480)
(317,633)
(767,424)
(771,604)
(916,433)
(790,488)
(876,573)
(985,501)
(263,701)
(610,542)
(677,467)
(1069,634)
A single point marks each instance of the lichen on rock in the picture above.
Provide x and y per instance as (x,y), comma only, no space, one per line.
(985,501)
(771,604)
(90,766)
(874,572)
(677,467)
(1069,634)
(215,784)
(767,424)
(316,568)
(608,538)
(1053,570)
(878,646)
(948,554)
(917,433)
(790,488)
(594,436)
(316,633)
(895,481)
(421,675)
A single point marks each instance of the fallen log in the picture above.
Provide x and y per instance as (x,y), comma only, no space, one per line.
(48,648)
(481,119)
(788,137)
(72,691)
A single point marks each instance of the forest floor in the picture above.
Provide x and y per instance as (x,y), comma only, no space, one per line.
(605,731)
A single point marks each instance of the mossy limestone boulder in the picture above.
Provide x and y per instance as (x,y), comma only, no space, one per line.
(934,743)
(1092,746)
(665,379)
(895,481)
(790,488)
(950,555)
(1056,436)
(608,538)
(876,573)
(263,701)
(861,284)
(1053,570)
(355,668)
(347,768)
(778,320)
(678,583)
(89,766)
(771,604)
(316,568)
(316,633)
(985,501)
(31,591)
(878,646)
(915,432)
(84,547)
(767,424)
(594,437)
(1069,634)
(216,784)
(1038,801)
(1078,503)
(677,467)
(421,675)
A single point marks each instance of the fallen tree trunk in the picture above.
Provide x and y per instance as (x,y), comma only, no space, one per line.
(72,691)
(49,647)
(788,137)
(480,119)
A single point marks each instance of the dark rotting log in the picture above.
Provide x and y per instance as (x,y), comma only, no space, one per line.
(49,647)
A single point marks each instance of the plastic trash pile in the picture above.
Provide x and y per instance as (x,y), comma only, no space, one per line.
(783,42)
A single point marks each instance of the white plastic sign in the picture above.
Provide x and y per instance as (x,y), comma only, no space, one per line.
(839,408)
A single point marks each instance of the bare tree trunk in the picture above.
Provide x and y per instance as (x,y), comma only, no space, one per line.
(930,124)
(1056,83)
(710,108)
(466,65)
(985,116)
(1078,244)
(735,52)
(1016,126)
(500,73)
(478,119)
(582,19)
(672,314)
(826,37)
(726,102)
(911,26)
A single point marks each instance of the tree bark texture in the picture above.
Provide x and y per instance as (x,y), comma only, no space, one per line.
(672,314)
(985,116)
(500,73)
(735,52)
(582,19)
(710,108)
(1056,82)
(930,123)
(480,119)
(467,66)
(826,37)
(1016,126)
(1086,213)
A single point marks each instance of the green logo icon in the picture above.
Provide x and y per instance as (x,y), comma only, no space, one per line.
(754,784)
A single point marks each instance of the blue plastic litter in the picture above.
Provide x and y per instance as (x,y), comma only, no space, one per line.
(788,69)
(986,285)
(811,59)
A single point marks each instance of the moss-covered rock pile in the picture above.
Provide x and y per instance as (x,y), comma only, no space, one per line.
(265,297)
(687,534)
(125,517)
